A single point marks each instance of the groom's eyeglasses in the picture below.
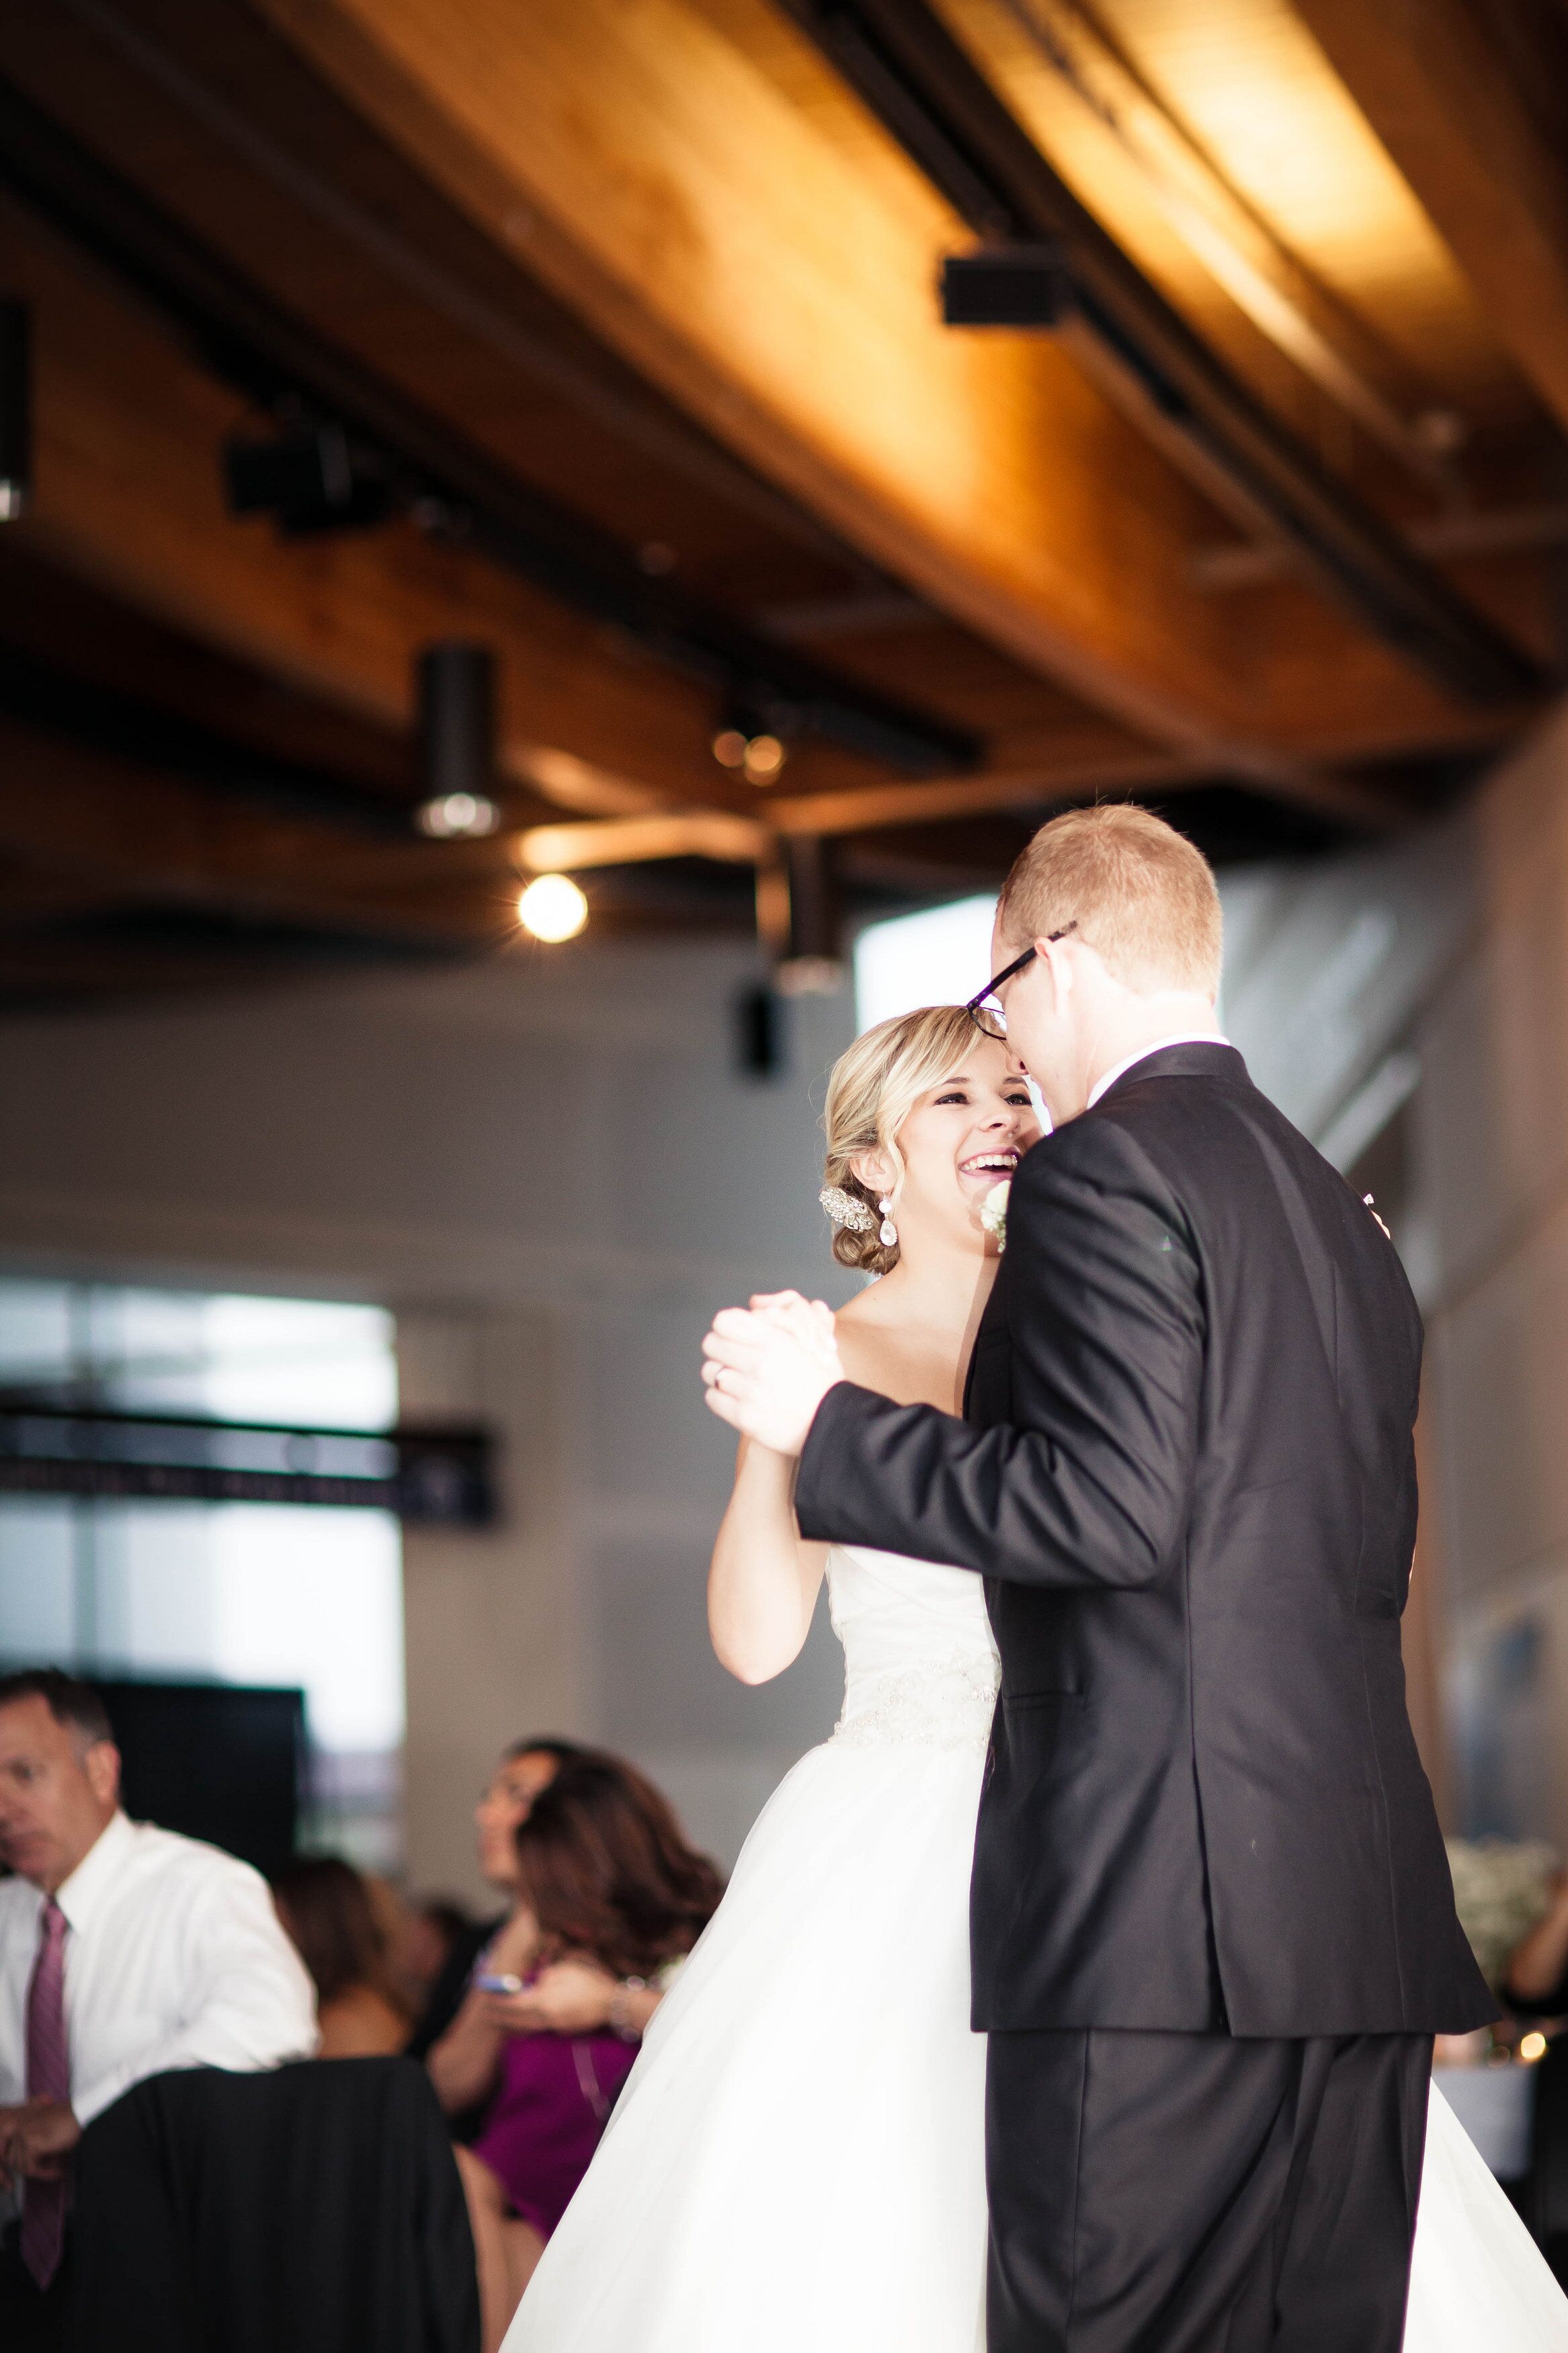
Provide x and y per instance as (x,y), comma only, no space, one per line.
(986,1010)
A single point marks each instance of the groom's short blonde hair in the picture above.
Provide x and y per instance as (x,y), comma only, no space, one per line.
(1137,891)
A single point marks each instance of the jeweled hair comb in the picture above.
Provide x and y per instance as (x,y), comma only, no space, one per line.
(846,1210)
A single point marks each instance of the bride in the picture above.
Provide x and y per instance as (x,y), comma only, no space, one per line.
(796,2164)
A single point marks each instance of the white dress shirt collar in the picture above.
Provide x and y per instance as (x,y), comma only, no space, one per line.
(82,1895)
(1181,1037)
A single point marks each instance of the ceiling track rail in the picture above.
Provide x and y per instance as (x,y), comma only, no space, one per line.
(930,97)
(280,363)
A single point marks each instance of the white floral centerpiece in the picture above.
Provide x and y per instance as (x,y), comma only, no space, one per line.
(994,1212)
(1502,1888)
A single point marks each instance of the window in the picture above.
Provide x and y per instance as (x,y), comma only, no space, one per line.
(240,1593)
(939,957)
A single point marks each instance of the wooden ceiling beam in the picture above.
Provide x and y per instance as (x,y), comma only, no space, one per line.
(89,830)
(1435,86)
(1038,783)
(760,250)
(640,840)
(110,827)
(129,438)
(128,495)
(647,167)
(429,464)
(1027,786)
(925,86)
(1062,67)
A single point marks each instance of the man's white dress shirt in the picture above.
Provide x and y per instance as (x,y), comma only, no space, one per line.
(1120,1070)
(174,1957)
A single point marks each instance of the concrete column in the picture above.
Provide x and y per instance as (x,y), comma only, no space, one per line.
(493,1616)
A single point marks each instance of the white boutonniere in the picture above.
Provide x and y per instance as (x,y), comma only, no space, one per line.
(994,1212)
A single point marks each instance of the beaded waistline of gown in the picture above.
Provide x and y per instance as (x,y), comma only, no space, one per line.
(945,1705)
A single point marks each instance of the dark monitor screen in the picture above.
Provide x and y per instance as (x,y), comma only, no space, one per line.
(222,1762)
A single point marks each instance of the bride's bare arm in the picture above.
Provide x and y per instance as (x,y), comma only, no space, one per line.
(763,1584)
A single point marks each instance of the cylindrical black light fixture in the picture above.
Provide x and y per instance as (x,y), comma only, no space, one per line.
(812,964)
(16,409)
(456,690)
(761,1051)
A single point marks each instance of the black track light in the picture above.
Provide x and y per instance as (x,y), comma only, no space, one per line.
(753,737)
(761,1045)
(1006,286)
(16,409)
(457,700)
(812,964)
(317,478)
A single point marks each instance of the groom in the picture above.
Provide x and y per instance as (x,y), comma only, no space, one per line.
(1212,1924)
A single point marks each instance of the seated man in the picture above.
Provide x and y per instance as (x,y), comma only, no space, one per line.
(124,1950)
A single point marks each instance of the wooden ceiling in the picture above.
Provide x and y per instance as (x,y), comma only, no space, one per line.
(628,317)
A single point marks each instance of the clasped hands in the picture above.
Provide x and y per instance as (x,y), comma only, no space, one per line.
(767,1367)
(36,2139)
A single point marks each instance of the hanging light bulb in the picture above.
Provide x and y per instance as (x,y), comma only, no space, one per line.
(748,742)
(553,908)
(765,757)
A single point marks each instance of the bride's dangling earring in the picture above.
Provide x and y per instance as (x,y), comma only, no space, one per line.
(890,1232)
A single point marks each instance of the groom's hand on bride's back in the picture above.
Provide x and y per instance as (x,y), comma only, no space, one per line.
(766,1369)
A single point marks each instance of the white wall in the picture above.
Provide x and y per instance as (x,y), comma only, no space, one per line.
(549,1167)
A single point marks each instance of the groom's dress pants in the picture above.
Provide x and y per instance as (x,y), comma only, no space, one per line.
(1192,2193)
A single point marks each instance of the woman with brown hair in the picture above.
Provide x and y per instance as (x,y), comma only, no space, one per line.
(611,1900)
(330,1916)
(521,1770)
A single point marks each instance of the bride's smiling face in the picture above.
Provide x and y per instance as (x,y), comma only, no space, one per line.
(961,1138)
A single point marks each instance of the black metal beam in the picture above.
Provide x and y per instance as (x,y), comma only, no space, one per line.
(425,1476)
(281,362)
(934,100)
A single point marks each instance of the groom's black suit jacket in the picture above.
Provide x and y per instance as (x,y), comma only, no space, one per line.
(1187,1474)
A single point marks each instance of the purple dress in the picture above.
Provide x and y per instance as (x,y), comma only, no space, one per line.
(555,2096)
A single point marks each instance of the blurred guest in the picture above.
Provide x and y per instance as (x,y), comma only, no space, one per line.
(1503,1891)
(1535,1981)
(434,1928)
(610,1899)
(525,1768)
(124,1950)
(1534,1985)
(332,1921)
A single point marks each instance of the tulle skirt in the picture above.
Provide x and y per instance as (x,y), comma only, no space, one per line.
(1479,2283)
(795,2163)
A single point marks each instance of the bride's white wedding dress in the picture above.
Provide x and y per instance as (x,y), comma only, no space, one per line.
(796,2162)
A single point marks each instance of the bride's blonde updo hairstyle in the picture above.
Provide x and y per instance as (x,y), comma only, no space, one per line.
(872,1090)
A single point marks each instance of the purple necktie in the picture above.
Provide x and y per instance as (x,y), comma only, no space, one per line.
(48,2078)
